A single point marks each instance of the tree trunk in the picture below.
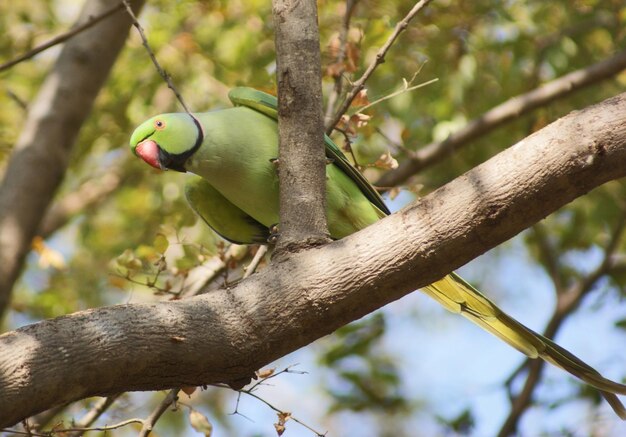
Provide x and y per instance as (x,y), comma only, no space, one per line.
(40,157)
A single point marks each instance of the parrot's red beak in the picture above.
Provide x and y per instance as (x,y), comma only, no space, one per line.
(148,150)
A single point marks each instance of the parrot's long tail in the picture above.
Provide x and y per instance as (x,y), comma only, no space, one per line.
(458,296)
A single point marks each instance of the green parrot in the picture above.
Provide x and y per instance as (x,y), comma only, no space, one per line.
(234,189)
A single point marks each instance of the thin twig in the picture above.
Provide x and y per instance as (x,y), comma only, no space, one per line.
(258,256)
(89,193)
(92,21)
(278,410)
(17,99)
(93,414)
(549,256)
(74,429)
(380,58)
(166,77)
(250,391)
(404,89)
(102,428)
(151,420)
(28,433)
(341,56)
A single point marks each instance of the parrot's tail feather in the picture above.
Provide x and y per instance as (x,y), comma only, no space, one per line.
(458,296)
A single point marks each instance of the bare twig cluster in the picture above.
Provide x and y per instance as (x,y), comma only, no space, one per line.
(358,85)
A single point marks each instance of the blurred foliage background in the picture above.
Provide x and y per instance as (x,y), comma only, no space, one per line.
(482,53)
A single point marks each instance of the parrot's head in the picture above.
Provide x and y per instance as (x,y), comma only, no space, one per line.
(166,141)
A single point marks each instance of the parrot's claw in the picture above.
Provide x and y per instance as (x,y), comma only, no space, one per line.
(274,234)
(329,161)
(275,161)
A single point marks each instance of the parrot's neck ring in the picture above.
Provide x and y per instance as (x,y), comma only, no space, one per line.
(177,162)
(200,137)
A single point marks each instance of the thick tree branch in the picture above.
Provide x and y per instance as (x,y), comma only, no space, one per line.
(503,113)
(89,194)
(40,157)
(225,335)
(302,164)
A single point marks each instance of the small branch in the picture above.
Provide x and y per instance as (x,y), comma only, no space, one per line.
(166,77)
(380,58)
(17,99)
(567,303)
(317,433)
(505,112)
(550,257)
(341,56)
(284,414)
(89,193)
(74,429)
(62,38)
(405,89)
(93,414)
(150,421)
(258,256)
(100,428)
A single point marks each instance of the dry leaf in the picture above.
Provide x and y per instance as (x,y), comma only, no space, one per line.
(200,423)
(386,161)
(280,429)
(334,70)
(48,257)
(283,417)
(265,373)
(360,99)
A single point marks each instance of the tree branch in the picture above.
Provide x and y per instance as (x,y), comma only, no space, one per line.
(92,415)
(302,163)
(91,21)
(88,194)
(40,157)
(503,113)
(225,335)
(567,303)
(341,56)
(380,58)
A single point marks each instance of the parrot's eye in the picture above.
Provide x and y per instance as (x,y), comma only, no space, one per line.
(159,124)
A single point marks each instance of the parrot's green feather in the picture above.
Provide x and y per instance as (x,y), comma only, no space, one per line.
(225,218)
(268,105)
(236,194)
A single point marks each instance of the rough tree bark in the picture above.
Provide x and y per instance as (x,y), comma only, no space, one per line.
(302,165)
(225,335)
(49,134)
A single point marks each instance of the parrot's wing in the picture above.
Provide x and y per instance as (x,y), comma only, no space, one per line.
(268,105)
(222,216)
(458,296)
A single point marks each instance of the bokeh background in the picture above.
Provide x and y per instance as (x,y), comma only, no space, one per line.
(410,368)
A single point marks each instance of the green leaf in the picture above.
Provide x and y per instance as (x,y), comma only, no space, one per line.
(161,243)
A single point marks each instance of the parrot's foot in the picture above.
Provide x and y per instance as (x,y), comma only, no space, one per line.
(329,161)
(274,234)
